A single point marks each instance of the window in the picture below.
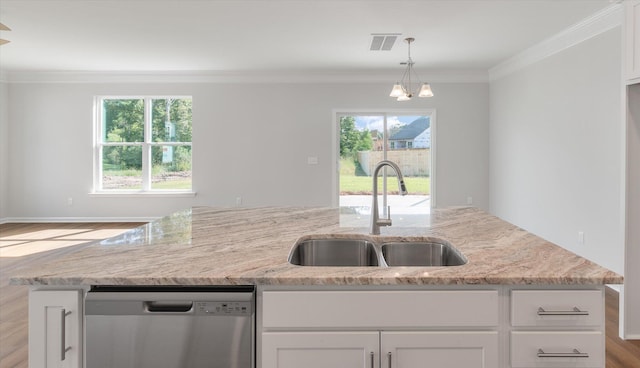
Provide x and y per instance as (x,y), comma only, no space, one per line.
(143,144)
(366,139)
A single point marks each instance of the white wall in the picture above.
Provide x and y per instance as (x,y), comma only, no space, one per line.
(4,150)
(249,140)
(462,144)
(555,157)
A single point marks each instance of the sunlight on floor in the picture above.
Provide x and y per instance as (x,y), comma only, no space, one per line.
(46,240)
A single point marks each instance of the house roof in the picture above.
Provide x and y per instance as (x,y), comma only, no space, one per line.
(412,130)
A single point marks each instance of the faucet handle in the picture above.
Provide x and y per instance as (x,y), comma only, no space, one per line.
(386,221)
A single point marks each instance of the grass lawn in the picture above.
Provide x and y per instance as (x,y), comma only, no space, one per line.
(352,184)
(172,184)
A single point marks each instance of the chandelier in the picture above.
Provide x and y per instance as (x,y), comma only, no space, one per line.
(403,90)
(4,28)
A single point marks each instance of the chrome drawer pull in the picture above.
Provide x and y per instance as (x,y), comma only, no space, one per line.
(574,312)
(389,355)
(372,360)
(63,326)
(575,354)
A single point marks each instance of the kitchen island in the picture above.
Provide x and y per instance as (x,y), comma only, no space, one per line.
(519,301)
(214,246)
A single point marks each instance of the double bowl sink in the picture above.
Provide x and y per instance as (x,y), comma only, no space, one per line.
(363,252)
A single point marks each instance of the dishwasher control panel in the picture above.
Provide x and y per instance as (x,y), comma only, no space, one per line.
(223,308)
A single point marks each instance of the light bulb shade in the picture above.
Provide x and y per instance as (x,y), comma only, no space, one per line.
(425,91)
(404,97)
(397,90)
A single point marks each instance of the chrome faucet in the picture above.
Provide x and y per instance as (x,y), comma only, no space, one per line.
(376,222)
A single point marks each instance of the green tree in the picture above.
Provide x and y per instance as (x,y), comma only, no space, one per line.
(353,140)
(175,113)
(124,122)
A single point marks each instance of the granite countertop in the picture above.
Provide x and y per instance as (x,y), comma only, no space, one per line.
(218,246)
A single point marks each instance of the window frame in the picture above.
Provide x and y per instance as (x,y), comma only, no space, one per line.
(146,145)
(337,113)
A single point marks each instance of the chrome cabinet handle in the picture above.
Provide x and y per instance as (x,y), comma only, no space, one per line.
(372,359)
(389,355)
(63,338)
(574,312)
(575,354)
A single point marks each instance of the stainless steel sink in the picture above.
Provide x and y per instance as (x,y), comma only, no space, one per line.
(364,253)
(422,254)
(334,252)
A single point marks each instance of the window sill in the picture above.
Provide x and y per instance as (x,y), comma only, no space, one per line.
(141,194)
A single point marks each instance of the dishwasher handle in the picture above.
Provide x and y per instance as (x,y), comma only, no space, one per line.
(168,306)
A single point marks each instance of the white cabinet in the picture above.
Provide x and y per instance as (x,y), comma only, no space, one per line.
(369,349)
(377,309)
(557,328)
(467,327)
(55,328)
(632,41)
(630,296)
(320,349)
(557,349)
(559,308)
(379,328)
(440,349)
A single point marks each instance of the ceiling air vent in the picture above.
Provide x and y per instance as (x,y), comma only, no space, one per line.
(383,41)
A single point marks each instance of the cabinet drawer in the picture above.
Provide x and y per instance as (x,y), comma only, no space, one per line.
(557,308)
(380,309)
(557,349)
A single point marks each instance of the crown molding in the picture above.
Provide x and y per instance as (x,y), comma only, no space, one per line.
(433,76)
(600,22)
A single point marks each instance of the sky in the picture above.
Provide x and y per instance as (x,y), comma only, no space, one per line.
(376,122)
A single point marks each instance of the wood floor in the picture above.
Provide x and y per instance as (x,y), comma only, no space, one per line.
(30,245)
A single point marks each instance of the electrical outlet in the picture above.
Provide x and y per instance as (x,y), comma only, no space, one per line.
(69,201)
(469,200)
(580,237)
(238,201)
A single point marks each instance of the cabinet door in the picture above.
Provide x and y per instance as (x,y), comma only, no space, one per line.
(440,349)
(55,329)
(320,349)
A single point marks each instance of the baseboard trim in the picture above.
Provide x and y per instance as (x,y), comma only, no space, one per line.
(23,220)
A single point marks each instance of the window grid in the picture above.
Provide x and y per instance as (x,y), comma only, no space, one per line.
(146,145)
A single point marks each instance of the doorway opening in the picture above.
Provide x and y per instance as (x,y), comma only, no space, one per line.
(407,138)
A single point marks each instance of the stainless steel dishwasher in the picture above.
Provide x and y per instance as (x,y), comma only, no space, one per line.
(170,327)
